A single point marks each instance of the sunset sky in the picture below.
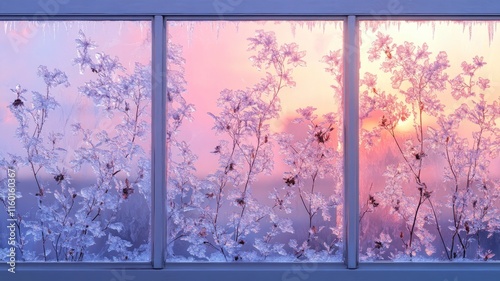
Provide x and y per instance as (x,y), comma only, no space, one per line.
(461,41)
(26,45)
(217,58)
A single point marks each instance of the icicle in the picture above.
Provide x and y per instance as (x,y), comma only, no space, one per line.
(293,27)
(309,25)
(491,32)
(43,30)
(373,26)
(190,28)
(217,29)
(494,27)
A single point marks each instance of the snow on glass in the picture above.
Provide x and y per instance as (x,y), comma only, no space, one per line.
(77,190)
(429,168)
(246,190)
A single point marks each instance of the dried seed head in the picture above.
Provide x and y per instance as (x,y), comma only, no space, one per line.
(240,201)
(126,192)
(59,178)
(383,122)
(427,194)
(388,52)
(372,201)
(18,102)
(290,181)
(217,149)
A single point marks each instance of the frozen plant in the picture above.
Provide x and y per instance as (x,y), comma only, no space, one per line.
(409,191)
(247,150)
(71,219)
(312,160)
(183,196)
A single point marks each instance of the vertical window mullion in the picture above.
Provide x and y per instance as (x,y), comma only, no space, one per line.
(351,141)
(158,141)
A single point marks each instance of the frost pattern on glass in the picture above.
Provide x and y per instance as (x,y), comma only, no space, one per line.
(254,166)
(429,170)
(78,138)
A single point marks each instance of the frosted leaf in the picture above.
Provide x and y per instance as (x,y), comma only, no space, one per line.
(115,243)
(118,226)
(54,78)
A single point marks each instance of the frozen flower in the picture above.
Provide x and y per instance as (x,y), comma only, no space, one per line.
(483,83)
(382,43)
(370,80)
(54,78)
(478,61)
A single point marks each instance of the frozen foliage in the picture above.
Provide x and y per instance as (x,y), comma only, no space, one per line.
(69,218)
(217,217)
(454,217)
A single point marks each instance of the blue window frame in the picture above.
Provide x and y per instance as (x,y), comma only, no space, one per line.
(159,11)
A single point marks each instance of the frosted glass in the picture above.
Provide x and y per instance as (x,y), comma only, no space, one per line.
(75,116)
(254,138)
(429,167)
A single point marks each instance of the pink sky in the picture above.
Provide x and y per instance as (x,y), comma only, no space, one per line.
(437,35)
(217,58)
(461,42)
(26,45)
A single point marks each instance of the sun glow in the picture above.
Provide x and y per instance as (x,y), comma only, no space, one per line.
(405,126)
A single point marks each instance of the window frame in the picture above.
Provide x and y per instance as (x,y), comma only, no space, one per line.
(160,11)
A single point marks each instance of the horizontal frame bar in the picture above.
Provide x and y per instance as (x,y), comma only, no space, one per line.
(429,18)
(254,18)
(247,18)
(284,272)
(253,7)
(34,266)
(82,17)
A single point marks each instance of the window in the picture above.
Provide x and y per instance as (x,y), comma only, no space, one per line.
(255,166)
(78,140)
(429,141)
(166,227)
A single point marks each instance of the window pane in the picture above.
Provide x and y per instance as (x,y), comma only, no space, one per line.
(75,115)
(429,167)
(254,141)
